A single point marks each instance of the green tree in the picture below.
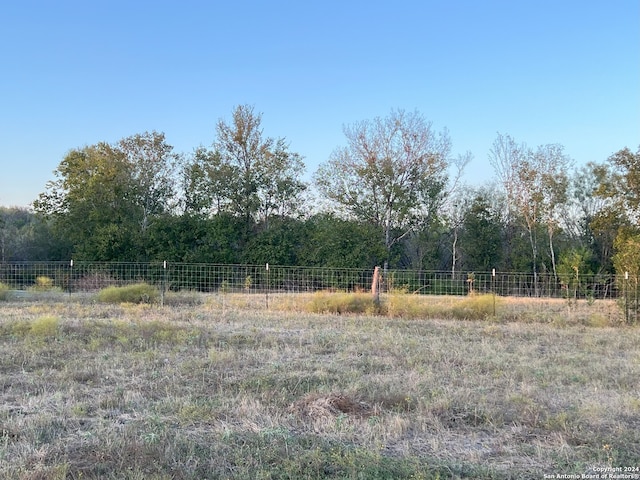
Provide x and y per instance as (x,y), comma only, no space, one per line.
(105,196)
(246,174)
(574,264)
(627,264)
(620,181)
(280,244)
(24,236)
(336,242)
(197,239)
(392,173)
(584,220)
(481,235)
(618,185)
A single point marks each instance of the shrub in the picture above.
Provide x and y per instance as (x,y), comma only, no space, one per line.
(46,326)
(137,293)
(328,302)
(4,291)
(43,284)
(414,306)
(474,307)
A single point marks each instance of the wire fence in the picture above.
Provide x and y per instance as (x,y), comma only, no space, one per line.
(76,277)
(92,276)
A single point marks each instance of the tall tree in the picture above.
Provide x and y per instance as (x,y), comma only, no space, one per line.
(253,176)
(585,220)
(535,183)
(620,181)
(105,195)
(391,173)
(618,222)
(153,166)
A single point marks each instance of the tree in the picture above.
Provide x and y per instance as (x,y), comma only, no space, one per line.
(481,235)
(618,220)
(627,264)
(392,173)
(26,237)
(620,182)
(535,183)
(587,219)
(247,174)
(337,242)
(153,167)
(106,196)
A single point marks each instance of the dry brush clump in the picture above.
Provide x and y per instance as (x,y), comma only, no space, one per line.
(4,291)
(201,391)
(135,293)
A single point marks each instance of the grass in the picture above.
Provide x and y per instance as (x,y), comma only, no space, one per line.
(208,390)
(4,291)
(136,293)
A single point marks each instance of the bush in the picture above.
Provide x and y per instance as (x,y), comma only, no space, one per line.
(137,293)
(4,291)
(46,326)
(474,307)
(43,284)
(328,302)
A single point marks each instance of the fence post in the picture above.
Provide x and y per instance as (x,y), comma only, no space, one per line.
(70,275)
(164,282)
(266,291)
(626,297)
(493,289)
(375,286)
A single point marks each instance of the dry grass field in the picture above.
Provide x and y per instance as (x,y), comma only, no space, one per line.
(214,390)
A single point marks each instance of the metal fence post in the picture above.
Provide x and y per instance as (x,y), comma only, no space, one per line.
(627,305)
(493,289)
(70,275)
(164,282)
(266,291)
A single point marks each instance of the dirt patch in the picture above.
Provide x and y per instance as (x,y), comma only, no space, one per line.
(333,404)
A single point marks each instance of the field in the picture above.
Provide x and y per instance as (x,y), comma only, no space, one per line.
(211,390)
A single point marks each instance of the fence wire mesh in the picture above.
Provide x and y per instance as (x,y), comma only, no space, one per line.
(91,276)
(78,277)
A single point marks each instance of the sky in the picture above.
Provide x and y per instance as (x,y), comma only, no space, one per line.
(75,73)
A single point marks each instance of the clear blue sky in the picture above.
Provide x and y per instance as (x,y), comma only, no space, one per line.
(73,73)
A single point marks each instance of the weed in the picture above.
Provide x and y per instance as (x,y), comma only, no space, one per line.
(137,293)
(4,291)
(341,303)
(43,327)
(43,284)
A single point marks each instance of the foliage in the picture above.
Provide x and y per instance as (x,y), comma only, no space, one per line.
(627,263)
(620,181)
(392,173)
(535,183)
(281,244)
(106,196)
(386,196)
(573,264)
(335,242)
(25,236)
(136,293)
(481,236)
(246,175)
(4,291)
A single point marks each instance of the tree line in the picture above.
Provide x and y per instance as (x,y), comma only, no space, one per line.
(390,195)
